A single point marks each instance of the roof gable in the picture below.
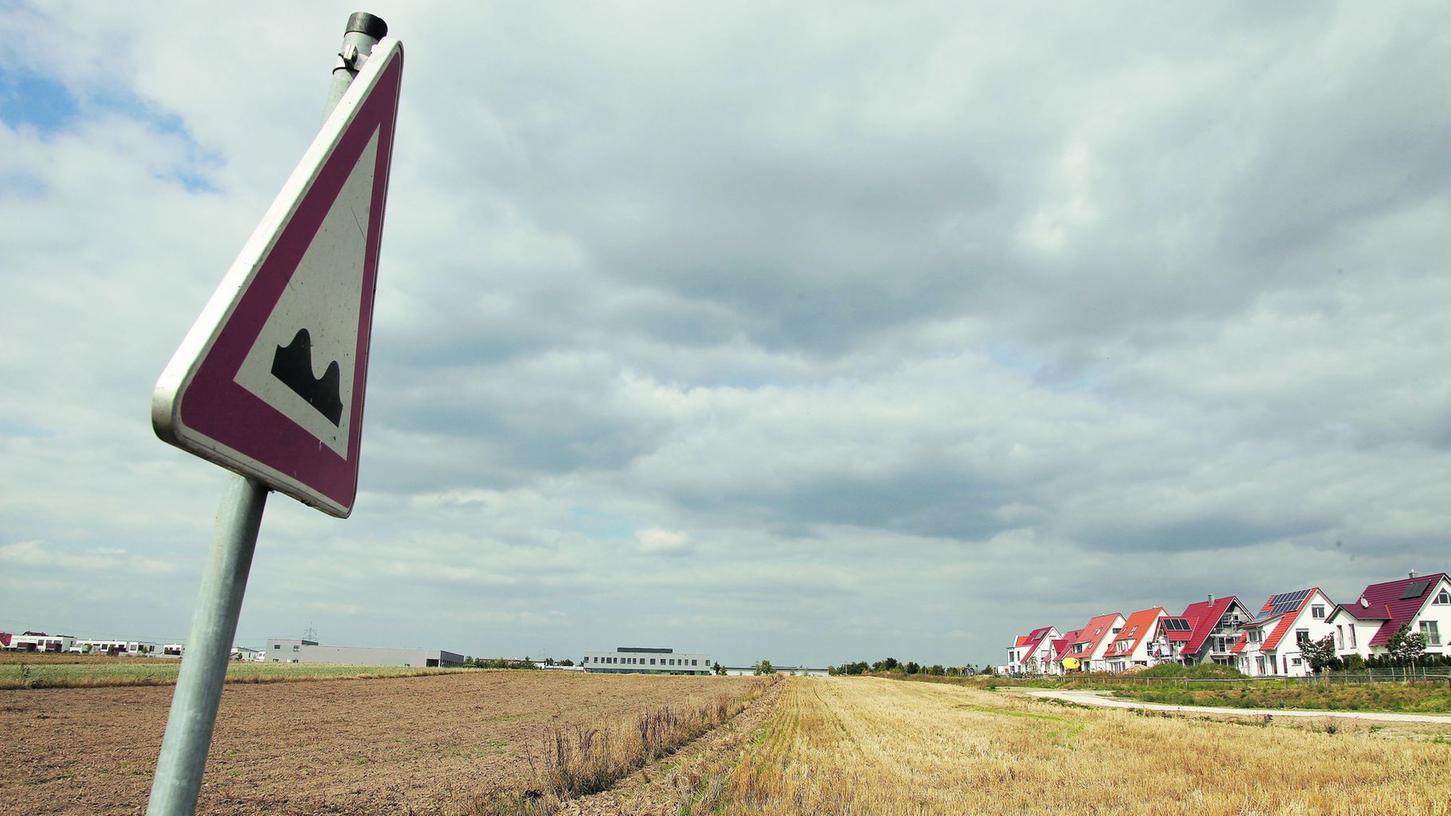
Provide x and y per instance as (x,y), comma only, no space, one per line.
(1035,639)
(1287,606)
(1095,632)
(1138,626)
(1204,616)
(1061,645)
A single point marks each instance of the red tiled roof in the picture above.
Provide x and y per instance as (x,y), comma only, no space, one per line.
(1239,644)
(1060,645)
(1035,639)
(1285,621)
(1092,634)
(1398,610)
(1203,617)
(1138,626)
(1365,613)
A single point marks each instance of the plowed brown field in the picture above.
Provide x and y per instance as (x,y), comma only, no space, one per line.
(423,744)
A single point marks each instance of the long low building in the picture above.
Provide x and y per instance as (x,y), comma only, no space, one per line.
(645,660)
(286,650)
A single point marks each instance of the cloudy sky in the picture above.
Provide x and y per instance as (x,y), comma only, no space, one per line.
(803,332)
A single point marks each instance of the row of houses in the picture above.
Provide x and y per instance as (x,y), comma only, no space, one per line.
(1263,641)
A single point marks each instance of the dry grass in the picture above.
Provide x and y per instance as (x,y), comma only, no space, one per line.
(872,746)
(586,760)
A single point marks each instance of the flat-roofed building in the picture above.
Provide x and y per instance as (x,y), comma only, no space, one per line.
(645,660)
(292,650)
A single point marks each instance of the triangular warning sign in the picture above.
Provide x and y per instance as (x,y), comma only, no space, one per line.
(270,380)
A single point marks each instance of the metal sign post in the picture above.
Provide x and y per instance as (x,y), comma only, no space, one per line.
(189,726)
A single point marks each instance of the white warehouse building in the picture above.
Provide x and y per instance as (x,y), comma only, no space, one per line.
(643,660)
(293,650)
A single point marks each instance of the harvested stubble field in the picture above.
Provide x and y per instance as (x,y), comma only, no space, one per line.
(433,744)
(875,746)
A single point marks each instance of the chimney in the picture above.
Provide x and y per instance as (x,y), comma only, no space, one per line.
(1211,599)
(1413,573)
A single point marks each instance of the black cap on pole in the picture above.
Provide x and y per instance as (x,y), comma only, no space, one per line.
(365,23)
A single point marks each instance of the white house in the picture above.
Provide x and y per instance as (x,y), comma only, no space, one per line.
(1130,645)
(1204,633)
(1269,646)
(1031,653)
(1422,603)
(1085,652)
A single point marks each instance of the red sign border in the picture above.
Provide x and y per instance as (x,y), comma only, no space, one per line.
(220,420)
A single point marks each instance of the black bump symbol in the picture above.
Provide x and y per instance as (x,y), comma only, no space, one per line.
(292,364)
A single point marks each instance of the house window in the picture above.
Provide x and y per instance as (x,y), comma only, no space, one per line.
(1443,597)
(1302,636)
(1432,635)
(1317,612)
(1351,631)
(1339,638)
(1255,635)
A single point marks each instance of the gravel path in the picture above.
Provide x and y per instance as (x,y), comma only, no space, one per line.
(1096,698)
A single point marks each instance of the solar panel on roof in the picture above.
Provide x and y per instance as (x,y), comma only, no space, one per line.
(1176,624)
(1282,603)
(1414,589)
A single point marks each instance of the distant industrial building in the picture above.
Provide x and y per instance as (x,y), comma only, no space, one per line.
(285,650)
(642,660)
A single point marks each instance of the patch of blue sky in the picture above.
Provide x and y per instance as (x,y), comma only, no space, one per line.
(193,172)
(31,100)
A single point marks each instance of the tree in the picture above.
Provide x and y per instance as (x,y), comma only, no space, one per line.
(765,667)
(718,668)
(912,667)
(1406,647)
(1320,653)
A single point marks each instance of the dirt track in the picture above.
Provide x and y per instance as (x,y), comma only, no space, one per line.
(1093,698)
(429,744)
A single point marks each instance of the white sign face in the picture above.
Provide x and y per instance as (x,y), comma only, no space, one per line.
(271,379)
(315,322)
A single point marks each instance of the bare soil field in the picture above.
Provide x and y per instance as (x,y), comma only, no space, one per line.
(436,744)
